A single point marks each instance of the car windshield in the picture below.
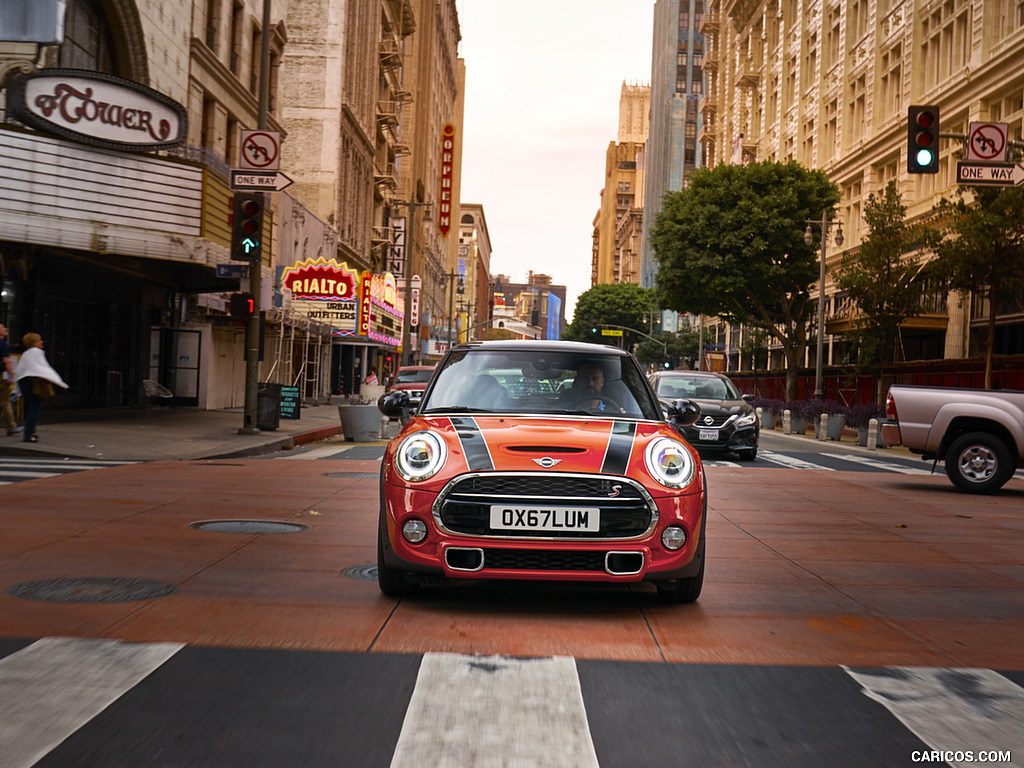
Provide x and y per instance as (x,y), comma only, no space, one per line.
(540,382)
(414,375)
(696,388)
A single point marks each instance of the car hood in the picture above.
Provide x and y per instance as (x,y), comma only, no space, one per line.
(718,407)
(527,444)
(410,386)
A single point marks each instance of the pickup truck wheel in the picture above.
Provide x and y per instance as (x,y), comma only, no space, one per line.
(978,463)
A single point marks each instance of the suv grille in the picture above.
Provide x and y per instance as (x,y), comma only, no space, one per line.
(626,510)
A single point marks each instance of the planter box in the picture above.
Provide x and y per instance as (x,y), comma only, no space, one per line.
(836,425)
(360,423)
(797,425)
(769,419)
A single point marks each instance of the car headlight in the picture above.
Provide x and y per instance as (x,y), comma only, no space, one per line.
(670,463)
(420,456)
(747,420)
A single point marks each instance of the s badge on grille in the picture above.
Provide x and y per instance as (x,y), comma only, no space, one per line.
(547,462)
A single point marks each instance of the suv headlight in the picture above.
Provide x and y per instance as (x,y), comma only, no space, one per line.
(420,456)
(669,462)
(747,419)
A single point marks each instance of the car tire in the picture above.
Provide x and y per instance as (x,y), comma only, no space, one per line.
(978,462)
(682,590)
(747,455)
(391,581)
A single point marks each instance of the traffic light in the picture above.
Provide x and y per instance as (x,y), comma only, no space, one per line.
(242,305)
(247,227)
(923,139)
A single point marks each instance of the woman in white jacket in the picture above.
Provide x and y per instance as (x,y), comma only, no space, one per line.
(33,369)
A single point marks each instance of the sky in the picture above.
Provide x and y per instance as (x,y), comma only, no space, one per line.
(543,79)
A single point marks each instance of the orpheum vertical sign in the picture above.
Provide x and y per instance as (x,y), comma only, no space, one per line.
(444,217)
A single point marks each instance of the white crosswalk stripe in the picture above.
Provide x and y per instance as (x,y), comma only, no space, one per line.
(790,461)
(322,452)
(56,685)
(953,711)
(867,461)
(459,699)
(14,470)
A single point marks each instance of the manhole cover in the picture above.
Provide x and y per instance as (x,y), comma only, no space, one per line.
(361,572)
(91,589)
(357,475)
(249,526)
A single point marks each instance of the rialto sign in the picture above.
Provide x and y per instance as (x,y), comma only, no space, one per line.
(98,109)
(354,304)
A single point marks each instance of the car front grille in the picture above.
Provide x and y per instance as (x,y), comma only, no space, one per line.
(533,560)
(626,509)
(717,420)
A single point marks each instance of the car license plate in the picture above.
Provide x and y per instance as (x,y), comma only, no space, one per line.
(518,518)
(708,434)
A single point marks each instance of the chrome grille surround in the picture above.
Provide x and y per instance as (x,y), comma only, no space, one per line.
(546,488)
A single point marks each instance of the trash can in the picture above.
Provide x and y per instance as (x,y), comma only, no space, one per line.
(268,406)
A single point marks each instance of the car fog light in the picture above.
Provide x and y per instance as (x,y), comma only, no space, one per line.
(673,537)
(414,531)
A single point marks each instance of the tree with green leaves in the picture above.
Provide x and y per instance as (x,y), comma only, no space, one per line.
(982,253)
(731,244)
(680,347)
(622,304)
(881,278)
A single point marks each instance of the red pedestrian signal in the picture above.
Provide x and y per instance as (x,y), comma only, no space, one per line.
(247,227)
(923,139)
(242,305)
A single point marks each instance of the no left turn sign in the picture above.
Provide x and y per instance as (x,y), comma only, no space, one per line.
(986,142)
(260,151)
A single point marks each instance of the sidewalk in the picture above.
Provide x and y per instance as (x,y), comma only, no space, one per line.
(171,433)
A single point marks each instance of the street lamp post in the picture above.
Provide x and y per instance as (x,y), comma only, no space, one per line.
(825,225)
(407,357)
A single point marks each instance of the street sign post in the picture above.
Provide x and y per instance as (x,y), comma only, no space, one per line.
(986,143)
(990,174)
(610,332)
(261,151)
(259,181)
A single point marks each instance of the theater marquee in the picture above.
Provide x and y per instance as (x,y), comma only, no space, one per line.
(98,109)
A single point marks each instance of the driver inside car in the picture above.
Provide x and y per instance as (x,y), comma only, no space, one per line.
(586,391)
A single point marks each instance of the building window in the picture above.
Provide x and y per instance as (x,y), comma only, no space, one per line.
(212,24)
(237,26)
(890,84)
(832,41)
(946,40)
(856,111)
(88,43)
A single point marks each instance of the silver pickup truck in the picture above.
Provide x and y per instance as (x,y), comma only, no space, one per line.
(978,433)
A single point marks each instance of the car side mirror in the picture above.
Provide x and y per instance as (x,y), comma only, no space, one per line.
(747,398)
(395,405)
(683,413)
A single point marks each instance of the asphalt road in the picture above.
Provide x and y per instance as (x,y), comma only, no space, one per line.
(849,618)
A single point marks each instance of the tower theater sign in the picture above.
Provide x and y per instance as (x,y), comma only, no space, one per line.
(98,109)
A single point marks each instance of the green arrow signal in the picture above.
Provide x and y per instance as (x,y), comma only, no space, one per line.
(250,245)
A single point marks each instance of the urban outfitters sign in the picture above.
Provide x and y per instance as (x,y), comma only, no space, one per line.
(98,109)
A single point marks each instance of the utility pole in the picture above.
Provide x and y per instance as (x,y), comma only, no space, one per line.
(825,225)
(253,326)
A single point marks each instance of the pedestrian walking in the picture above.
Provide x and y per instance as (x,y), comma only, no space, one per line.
(7,368)
(35,378)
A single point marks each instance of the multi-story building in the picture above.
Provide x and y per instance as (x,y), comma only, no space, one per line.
(621,210)
(343,109)
(538,303)
(829,85)
(677,86)
(119,128)
(474,268)
(431,124)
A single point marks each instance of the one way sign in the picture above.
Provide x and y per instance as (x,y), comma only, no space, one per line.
(990,174)
(259,181)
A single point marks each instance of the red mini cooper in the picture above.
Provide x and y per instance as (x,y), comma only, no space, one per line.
(543,461)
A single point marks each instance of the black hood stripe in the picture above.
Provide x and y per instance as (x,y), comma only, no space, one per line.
(620,446)
(478,456)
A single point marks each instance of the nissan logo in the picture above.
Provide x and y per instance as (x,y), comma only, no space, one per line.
(708,420)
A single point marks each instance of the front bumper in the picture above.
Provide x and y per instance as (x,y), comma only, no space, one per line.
(456,556)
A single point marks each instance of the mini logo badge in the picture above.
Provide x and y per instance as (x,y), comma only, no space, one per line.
(547,462)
